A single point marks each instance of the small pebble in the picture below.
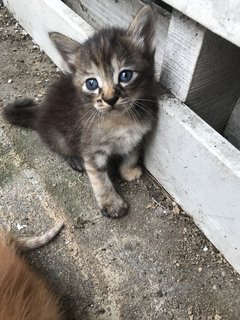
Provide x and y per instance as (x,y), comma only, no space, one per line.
(23,32)
(20,227)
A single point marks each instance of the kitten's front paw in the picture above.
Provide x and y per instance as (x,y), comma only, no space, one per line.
(76,163)
(131,174)
(115,208)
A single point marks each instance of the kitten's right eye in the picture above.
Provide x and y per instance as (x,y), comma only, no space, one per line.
(91,84)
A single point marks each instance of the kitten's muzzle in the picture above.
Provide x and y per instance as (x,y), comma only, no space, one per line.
(111,101)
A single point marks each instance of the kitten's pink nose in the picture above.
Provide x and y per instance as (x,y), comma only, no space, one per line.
(111,101)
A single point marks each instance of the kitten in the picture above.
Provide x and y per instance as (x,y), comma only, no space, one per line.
(24,294)
(104,107)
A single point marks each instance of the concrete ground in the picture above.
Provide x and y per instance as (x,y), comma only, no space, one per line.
(152,264)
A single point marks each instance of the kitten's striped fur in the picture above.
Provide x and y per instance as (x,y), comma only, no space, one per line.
(90,126)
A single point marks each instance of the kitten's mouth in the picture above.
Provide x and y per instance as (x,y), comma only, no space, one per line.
(120,106)
(104,109)
(110,109)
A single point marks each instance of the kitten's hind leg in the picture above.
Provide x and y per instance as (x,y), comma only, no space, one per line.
(109,201)
(76,163)
(129,168)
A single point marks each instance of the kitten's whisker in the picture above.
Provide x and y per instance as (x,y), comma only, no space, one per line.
(77,123)
(151,114)
(143,107)
(74,128)
(88,119)
(92,119)
(101,120)
(142,102)
(129,113)
(122,102)
(87,116)
(134,115)
(88,112)
(138,116)
(147,100)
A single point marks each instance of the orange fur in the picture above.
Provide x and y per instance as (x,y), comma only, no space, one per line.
(24,295)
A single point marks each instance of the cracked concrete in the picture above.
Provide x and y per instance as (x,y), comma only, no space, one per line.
(152,264)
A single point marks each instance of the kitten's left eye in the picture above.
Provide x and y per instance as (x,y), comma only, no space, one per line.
(91,84)
(125,76)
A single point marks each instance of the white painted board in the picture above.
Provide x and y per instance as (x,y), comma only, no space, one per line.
(38,17)
(221,17)
(201,170)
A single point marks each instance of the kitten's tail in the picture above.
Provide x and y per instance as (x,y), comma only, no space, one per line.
(22,113)
(29,243)
(36,242)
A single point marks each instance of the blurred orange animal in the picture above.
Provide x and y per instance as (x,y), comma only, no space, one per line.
(24,295)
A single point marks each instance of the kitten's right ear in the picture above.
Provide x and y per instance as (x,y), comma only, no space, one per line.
(67,47)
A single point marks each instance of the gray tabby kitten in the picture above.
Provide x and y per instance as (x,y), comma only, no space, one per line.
(104,107)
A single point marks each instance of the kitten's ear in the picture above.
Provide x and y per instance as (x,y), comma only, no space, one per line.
(67,47)
(142,29)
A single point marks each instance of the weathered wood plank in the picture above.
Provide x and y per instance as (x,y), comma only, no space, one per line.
(201,170)
(201,69)
(184,43)
(120,13)
(104,13)
(232,130)
(221,17)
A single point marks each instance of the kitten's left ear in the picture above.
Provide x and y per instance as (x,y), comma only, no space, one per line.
(142,29)
(67,47)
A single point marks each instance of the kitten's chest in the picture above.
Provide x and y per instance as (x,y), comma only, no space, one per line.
(122,140)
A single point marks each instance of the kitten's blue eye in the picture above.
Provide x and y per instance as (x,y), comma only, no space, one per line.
(92,84)
(125,76)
